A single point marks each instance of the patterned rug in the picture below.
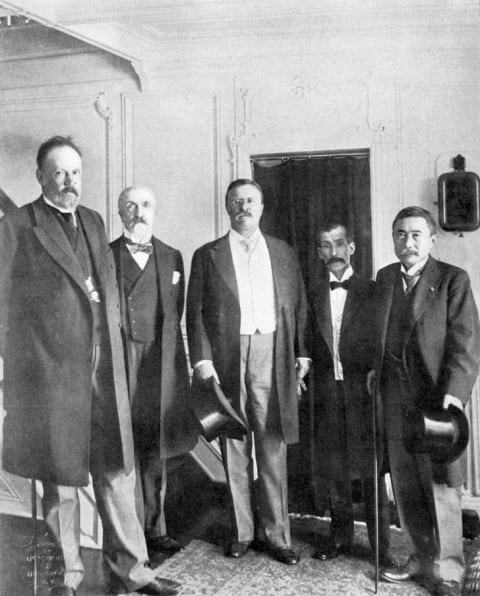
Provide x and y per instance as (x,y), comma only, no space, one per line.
(203,569)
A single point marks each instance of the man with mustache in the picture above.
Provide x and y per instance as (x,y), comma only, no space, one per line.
(152,291)
(427,357)
(341,303)
(65,389)
(246,324)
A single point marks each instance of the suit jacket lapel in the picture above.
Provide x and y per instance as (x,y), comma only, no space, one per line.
(323,312)
(54,241)
(97,242)
(117,247)
(282,276)
(222,257)
(164,272)
(352,303)
(385,305)
(425,289)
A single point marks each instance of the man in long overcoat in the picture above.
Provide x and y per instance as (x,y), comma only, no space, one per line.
(66,399)
(343,340)
(246,324)
(428,356)
(152,290)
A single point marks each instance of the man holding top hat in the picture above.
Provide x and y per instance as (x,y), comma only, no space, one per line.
(427,361)
(246,323)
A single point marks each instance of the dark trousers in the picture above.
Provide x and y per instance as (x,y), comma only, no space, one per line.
(341,529)
(340,492)
(144,378)
(430,513)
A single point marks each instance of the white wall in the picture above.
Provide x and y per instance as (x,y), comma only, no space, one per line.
(401,84)
(400,78)
(412,101)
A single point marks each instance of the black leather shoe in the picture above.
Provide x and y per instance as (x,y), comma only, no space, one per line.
(164,544)
(447,588)
(161,586)
(411,571)
(284,555)
(62,591)
(331,551)
(237,550)
(397,574)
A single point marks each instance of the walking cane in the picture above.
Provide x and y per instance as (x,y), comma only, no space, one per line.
(34,523)
(375,482)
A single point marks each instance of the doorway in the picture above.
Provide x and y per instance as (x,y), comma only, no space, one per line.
(301,191)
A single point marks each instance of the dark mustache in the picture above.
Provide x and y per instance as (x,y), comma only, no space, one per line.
(70,189)
(332,260)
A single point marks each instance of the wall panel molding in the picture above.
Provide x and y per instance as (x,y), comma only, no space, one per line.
(473,449)
(127,123)
(217,163)
(29,121)
(105,112)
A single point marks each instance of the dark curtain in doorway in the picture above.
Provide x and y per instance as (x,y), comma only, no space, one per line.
(303,192)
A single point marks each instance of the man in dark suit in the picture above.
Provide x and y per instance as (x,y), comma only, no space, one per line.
(246,323)
(66,400)
(428,357)
(341,302)
(152,288)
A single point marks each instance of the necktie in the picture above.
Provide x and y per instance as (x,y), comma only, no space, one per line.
(410,281)
(340,284)
(146,247)
(68,217)
(247,245)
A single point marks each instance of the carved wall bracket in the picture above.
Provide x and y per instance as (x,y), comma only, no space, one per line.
(379,128)
(300,87)
(243,136)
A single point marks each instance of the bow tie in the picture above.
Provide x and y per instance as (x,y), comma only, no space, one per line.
(135,247)
(340,284)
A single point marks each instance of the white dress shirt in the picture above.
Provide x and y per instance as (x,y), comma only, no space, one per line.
(413,272)
(256,293)
(337,305)
(141,258)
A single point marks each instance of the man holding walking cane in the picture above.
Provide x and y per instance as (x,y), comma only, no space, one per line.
(427,360)
(344,430)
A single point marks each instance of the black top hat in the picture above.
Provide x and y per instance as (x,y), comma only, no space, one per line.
(442,433)
(214,412)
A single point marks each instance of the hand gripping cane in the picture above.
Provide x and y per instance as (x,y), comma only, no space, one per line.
(34,523)
(375,479)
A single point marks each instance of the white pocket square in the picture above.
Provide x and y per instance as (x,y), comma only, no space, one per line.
(176,277)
